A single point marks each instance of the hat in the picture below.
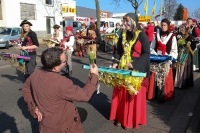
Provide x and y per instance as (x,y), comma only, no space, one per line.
(83,24)
(134,17)
(25,22)
(56,26)
(69,28)
(166,21)
(194,20)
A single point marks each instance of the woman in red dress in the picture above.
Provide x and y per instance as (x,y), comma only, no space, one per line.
(161,78)
(129,110)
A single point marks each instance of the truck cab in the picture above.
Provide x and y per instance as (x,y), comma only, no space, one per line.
(75,24)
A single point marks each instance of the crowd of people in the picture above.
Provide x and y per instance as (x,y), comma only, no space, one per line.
(50,96)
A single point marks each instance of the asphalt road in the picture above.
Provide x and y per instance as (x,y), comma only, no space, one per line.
(15,118)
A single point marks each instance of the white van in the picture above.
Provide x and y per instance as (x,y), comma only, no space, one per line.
(111,23)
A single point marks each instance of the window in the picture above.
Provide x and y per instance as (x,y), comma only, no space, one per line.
(15,32)
(5,31)
(28,11)
(49,2)
(111,24)
(1,11)
(104,15)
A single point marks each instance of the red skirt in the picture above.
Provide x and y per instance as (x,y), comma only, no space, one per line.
(167,90)
(129,114)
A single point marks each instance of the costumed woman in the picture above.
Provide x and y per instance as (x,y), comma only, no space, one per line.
(118,32)
(80,44)
(91,44)
(184,65)
(161,78)
(29,44)
(68,47)
(57,34)
(133,52)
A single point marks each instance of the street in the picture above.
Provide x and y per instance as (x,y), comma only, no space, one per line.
(171,116)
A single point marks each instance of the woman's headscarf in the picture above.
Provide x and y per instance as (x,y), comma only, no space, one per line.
(132,18)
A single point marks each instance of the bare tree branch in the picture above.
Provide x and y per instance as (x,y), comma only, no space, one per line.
(196,13)
(134,3)
(170,8)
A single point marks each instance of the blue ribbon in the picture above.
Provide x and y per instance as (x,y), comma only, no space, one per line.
(162,58)
(118,71)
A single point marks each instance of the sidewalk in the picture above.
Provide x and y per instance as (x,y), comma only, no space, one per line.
(185,118)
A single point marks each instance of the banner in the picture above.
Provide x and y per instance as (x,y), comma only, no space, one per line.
(146,7)
(66,9)
(154,9)
(144,18)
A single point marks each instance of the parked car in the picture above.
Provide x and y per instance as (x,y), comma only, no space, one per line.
(7,34)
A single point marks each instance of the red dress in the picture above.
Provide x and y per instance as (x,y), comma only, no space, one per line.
(130,110)
(129,114)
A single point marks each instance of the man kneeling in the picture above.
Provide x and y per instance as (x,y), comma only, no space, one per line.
(49,95)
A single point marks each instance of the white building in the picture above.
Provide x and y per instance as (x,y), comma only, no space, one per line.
(43,14)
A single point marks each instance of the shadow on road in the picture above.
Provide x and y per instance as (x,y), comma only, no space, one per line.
(19,78)
(34,123)
(7,123)
(83,114)
(101,103)
(79,61)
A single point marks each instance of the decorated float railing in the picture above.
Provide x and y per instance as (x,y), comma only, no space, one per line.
(17,61)
(111,38)
(160,65)
(121,78)
(161,58)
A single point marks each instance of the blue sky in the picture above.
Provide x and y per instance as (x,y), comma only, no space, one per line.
(125,6)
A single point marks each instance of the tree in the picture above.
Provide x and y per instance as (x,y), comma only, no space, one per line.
(170,8)
(134,3)
(97,13)
(196,14)
(179,13)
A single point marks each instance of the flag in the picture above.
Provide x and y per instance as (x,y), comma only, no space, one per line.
(146,7)
(161,7)
(154,9)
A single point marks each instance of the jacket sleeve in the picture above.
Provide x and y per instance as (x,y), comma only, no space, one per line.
(197,31)
(33,37)
(70,43)
(142,64)
(28,97)
(73,92)
(174,48)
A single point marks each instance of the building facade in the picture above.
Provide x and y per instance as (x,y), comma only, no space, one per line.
(43,14)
